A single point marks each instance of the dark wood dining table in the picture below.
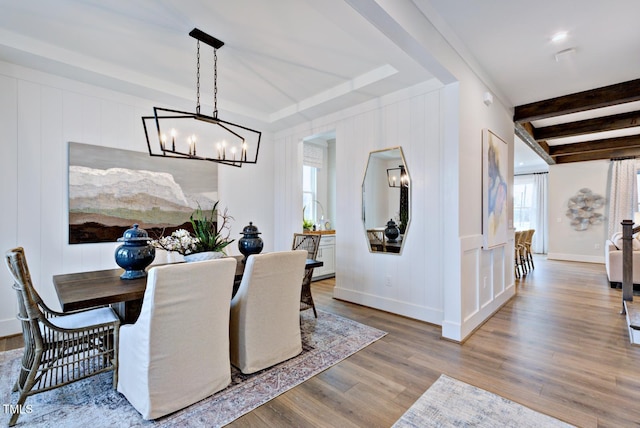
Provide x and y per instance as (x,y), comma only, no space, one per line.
(389,247)
(84,290)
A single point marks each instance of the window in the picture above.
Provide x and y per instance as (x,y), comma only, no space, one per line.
(309,192)
(523,202)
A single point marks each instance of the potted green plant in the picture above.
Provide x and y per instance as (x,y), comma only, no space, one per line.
(307,224)
(207,240)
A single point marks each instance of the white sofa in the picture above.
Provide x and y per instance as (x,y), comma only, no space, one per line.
(613,263)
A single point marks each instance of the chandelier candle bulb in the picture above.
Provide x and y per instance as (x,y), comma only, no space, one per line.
(173,140)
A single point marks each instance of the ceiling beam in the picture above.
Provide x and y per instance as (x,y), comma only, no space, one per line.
(581,101)
(606,144)
(542,151)
(598,155)
(588,126)
(595,150)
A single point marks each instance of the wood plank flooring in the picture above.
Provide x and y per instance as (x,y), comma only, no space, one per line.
(560,347)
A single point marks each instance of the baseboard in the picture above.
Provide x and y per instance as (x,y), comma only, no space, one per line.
(460,332)
(10,327)
(422,313)
(575,258)
(321,277)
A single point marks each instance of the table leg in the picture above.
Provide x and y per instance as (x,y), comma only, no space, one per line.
(128,311)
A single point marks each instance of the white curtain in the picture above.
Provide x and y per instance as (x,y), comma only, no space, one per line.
(540,216)
(623,193)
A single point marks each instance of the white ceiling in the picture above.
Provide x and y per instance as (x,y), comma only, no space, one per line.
(284,61)
(511,40)
(288,61)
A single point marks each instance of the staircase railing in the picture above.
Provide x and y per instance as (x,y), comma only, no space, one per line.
(627,261)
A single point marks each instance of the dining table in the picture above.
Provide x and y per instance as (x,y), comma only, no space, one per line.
(83,290)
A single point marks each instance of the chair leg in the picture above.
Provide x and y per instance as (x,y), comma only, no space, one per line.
(523,264)
(116,350)
(29,382)
(15,415)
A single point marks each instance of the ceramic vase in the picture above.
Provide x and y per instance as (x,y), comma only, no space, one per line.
(135,254)
(250,243)
(205,255)
(392,232)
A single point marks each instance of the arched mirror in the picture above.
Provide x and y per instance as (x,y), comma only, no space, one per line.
(386,201)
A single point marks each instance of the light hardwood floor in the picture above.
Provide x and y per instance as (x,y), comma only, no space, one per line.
(559,347)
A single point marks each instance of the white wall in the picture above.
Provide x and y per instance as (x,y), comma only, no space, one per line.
(565,180)
(443,275)
(248,193)
(39,115)
(477,281)
(410,119)
(421,276)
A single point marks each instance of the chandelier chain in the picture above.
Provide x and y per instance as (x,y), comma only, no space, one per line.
(215,82)
(198,79)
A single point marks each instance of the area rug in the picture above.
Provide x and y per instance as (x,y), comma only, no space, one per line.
(451,403)
(93,403)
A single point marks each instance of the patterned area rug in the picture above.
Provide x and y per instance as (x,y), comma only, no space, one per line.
(451,403)
(93,403)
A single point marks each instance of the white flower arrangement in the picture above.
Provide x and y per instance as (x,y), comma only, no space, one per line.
(206,235)
(180,241)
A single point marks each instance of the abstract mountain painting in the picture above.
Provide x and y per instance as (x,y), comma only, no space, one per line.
(111,189)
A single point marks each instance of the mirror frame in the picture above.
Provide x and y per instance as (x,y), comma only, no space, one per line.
(363,215)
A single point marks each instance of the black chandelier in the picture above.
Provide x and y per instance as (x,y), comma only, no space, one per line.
(398,177)
(184,135)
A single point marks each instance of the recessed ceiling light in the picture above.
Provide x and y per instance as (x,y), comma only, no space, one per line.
(559,37)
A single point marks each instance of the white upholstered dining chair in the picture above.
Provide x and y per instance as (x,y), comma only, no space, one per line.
(177,352)
(265,312)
